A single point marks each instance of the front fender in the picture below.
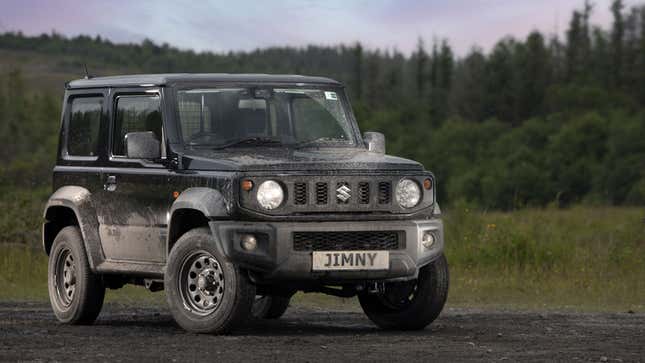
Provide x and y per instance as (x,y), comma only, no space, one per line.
(210,202)
(79,200)
(194,208)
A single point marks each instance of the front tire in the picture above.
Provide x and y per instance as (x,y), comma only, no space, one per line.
(75,292)
(206,293)
(410,305)
(270,306)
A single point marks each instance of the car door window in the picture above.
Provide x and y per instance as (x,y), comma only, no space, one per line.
(135,114)
(83,126)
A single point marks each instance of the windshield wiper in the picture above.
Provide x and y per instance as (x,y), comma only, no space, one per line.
(320,140)
(250,141)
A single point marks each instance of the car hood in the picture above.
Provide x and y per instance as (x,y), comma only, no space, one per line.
(284,159)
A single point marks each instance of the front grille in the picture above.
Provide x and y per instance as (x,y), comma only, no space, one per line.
(344,193)
(363,193)
(384,192)
(300,193)
(321,193)
(348,241)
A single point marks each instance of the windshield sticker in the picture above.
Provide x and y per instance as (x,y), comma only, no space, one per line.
(331,96)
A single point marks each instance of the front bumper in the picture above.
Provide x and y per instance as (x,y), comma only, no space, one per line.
(275,258)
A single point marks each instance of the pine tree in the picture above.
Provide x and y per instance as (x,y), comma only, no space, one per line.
(501,83)
(373,86)
(4,122)
(421,63)
(575,48)
(601,58)
(358,71)
(468,95)
(434,65)
(534,76)
(16,113)
(617,38)
(631,49)
(446,64)
(641,54)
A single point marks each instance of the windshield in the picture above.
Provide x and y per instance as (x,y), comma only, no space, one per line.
(227,117)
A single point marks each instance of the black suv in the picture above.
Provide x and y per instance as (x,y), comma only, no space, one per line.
(232,193)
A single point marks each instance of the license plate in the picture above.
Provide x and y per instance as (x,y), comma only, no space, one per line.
(351,260)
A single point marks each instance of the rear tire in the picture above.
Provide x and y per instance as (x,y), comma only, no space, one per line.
(270,306)
(206,293)
(75,292)
(410,305)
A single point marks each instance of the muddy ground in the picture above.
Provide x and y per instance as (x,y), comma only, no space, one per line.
(29,332)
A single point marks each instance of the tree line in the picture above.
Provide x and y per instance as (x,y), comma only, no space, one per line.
(533,121)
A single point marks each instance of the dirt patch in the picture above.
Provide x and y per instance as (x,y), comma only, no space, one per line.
(28,331)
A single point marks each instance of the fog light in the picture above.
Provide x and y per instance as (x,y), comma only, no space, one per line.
(248,242)
(428,239)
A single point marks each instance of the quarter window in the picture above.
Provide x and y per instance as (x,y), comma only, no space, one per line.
(83,127)
(135,114)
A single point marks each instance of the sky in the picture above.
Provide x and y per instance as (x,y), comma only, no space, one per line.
(222,26)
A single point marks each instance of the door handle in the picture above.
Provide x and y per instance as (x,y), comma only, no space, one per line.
(110,183)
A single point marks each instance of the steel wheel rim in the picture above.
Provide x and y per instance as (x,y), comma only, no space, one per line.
(65,277)
(201,283)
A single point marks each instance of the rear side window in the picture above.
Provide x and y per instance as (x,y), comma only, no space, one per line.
(83,127)
(135,114)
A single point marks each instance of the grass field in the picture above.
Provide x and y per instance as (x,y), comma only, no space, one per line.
(584,258)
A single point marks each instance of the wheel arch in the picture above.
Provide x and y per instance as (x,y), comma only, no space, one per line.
(194,208)
(72,206)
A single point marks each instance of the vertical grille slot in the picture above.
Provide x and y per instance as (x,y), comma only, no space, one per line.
(322,193)
(363,193)
(300,193)
(384,192)
(343,193)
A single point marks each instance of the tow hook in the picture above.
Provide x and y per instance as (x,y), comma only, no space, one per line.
(375,287)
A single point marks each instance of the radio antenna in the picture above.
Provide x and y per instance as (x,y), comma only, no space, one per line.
(87,74)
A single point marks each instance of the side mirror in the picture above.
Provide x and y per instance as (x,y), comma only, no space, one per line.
(375,142)
(142,145)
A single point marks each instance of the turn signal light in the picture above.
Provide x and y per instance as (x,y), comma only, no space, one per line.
(427,184)
(247,185)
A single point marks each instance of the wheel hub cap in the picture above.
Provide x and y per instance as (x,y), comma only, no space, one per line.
(201,283)
(207,282)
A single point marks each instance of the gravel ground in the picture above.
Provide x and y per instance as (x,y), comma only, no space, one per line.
(29,332)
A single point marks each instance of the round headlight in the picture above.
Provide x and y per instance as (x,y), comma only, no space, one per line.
(408,193)
(270,195)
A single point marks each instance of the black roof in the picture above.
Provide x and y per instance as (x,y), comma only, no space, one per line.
(169,78)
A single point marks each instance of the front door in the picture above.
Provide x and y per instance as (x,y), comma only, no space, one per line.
(136,196)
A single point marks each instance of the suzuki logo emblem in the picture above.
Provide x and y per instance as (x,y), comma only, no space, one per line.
(343,193)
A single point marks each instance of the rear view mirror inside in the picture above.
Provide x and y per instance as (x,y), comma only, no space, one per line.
(252,104)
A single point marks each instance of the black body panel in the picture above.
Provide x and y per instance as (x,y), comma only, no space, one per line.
(133,201)
(308,160)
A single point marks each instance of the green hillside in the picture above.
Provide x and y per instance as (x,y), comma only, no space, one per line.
(47,73)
